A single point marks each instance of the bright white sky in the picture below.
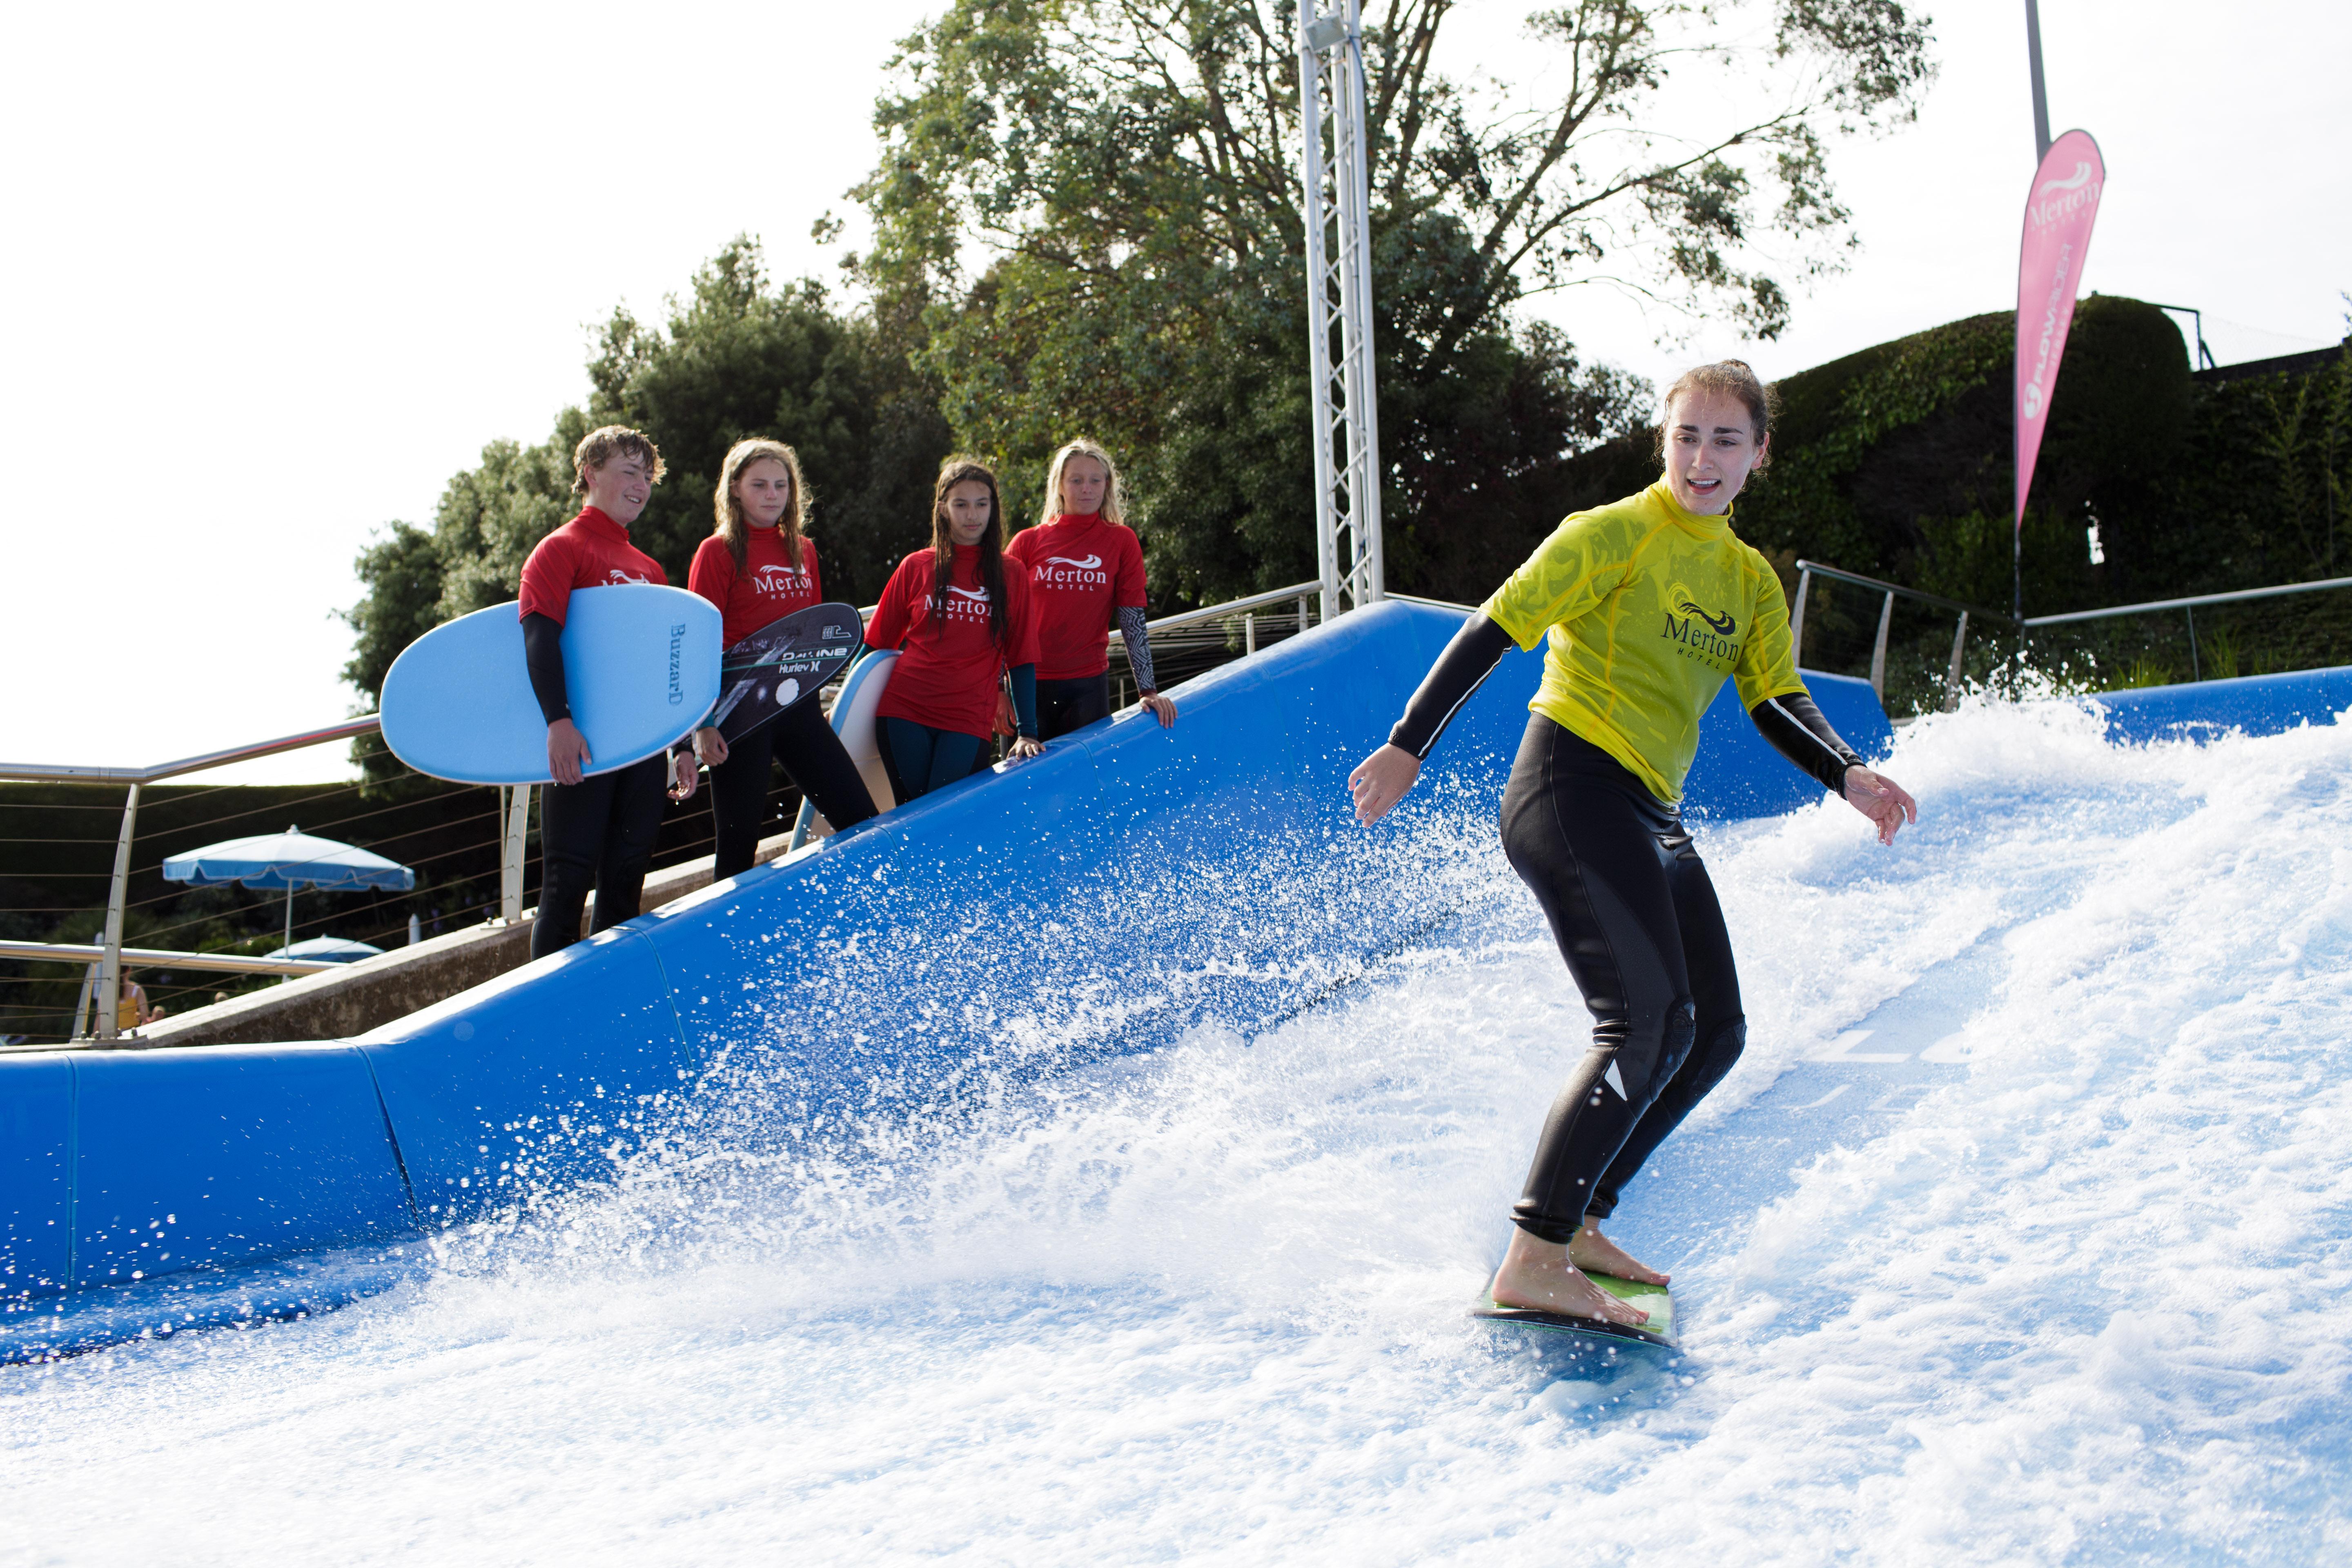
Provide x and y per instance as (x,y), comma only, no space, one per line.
(281,270)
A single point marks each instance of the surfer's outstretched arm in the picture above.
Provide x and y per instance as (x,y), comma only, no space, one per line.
(1381,779)
(1798,730)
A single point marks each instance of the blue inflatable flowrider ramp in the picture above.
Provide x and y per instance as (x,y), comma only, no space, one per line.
(1099,900)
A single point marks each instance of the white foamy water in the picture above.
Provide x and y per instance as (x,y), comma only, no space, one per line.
(2049,1265)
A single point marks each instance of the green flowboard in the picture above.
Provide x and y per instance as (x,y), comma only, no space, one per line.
(1653,1299)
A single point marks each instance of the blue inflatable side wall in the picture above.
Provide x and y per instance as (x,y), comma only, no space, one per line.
(2256,704)
(1098,899)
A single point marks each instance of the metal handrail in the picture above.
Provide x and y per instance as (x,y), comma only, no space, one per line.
(157,958)
(2191,603)
(47,773)
(1818,570)
(1809,570)
(2187,608)
(1229,609)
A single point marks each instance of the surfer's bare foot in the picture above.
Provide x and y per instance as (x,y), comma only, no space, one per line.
(1596,1254)
(1538,1274)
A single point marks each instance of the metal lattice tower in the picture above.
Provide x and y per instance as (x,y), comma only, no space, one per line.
(1337,180)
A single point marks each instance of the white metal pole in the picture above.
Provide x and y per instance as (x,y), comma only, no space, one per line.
(518,814)
(1318,302)
(1365,568)
(110,979)
(82,1022)
(1337,197)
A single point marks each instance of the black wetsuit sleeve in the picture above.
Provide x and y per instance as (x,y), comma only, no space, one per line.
(1466,662)
(542,654)
(1799,733)
(1138,648)
(1025,700)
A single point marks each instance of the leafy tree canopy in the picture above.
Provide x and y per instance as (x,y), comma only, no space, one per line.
(1097,201)
(738,357)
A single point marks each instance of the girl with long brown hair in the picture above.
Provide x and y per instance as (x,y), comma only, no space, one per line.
(961,614)
(758,566)
(1649,605)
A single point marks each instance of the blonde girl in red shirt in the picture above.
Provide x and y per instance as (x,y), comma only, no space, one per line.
(1087,567)
(758,566)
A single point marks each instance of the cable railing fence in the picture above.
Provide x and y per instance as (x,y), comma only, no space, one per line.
(84,904)
(1922,651)
(79,915)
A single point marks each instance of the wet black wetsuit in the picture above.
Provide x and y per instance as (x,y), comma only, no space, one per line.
(1630,904)
(598,833)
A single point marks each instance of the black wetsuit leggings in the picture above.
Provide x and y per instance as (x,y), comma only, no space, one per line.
(802,740)
(1066,705)
(1636,918)
(599,834)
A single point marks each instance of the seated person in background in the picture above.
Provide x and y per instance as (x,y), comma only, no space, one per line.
(1087,572)
(757,567)
(132,1010)
(595,831)
(960,614)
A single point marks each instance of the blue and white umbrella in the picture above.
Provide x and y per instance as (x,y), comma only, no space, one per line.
(328,950)
(291,860)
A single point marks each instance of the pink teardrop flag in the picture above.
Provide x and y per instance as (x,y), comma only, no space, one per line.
(2058,217)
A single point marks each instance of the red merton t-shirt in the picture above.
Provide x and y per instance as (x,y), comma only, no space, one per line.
(1083,569)
(947,671)
(592,551)
(768,588)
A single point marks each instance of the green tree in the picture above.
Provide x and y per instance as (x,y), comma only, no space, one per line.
(739,356)
(1124,176)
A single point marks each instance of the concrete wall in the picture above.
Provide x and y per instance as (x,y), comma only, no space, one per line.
(343,1003)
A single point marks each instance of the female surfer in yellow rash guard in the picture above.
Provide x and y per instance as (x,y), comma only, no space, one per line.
(1649,605)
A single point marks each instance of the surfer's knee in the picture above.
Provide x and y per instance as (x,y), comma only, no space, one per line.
(1677,1029)
(1716,1052)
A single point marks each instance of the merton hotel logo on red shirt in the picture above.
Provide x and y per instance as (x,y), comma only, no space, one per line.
(967,603)
(781,582)
(1062,572)
(615,576)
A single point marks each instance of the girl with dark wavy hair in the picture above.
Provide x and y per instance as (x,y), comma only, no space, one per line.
(961,615)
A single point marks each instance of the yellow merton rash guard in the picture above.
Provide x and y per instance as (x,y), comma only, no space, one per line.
(1649,609)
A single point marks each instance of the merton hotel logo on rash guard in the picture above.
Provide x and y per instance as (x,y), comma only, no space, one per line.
(967,603)
(1067,571)
(1698,633)
(781,582)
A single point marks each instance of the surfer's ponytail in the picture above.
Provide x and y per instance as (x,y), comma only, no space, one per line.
(959,469)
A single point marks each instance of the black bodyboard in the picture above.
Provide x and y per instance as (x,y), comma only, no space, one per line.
(783,664)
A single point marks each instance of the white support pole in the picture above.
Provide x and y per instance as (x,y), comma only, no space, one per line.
(82,1022)
(1959,656)
(109,969)
(511,857)
(1878,649)
(1335,182)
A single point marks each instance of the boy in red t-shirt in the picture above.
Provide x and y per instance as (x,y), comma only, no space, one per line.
(596,830)
(1087,570)
(758,566)
(961,614)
